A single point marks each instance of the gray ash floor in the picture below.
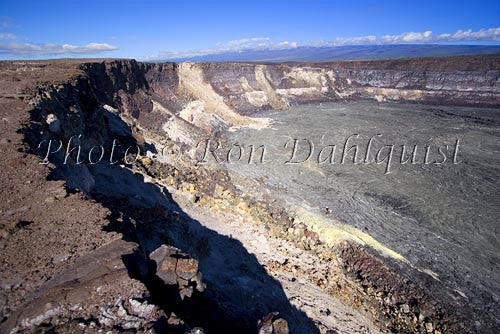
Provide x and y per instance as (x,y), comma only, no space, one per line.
(444,218)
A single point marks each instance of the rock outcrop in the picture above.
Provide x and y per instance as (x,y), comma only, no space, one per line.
(176,268)
(176,105)
(175,97)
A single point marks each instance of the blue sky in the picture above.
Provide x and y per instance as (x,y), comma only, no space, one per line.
(151,29)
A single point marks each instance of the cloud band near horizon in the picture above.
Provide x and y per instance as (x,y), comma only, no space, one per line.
(248,44)
(266,43)
(47,49)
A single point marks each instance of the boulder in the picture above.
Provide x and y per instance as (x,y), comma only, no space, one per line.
(176,268)
(271,324)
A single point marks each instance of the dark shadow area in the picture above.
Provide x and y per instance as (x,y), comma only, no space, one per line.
(239,290)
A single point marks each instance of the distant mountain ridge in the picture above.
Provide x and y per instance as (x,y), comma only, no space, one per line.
(355,52)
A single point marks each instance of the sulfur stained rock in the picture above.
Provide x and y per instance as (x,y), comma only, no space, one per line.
(165,264)
(176,268)
(270,324)
(146,161)
(186,268)
(280,326)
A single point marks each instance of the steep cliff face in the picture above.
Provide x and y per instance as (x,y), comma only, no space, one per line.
(208,94)
(187,101)
(276,86)
(179,104)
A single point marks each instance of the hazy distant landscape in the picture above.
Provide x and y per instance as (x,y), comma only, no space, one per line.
(356,52)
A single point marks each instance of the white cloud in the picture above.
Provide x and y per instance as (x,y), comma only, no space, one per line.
(7,35)
(469,35)
(28,49)
(266,43)
(254,43)
(287,45)
(239,45)
(490,35)
(408,37)
(244,41)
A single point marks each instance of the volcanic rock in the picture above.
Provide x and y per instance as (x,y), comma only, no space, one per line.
(176,268)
